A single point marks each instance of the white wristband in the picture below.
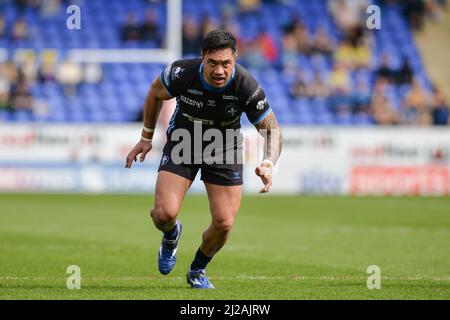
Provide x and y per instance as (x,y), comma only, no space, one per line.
(268,162)
(146,139)
(149,130)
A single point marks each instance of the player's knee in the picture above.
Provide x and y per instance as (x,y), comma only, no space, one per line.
(223,225)
(162,215)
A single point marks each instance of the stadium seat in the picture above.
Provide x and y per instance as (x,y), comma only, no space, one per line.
(126,85)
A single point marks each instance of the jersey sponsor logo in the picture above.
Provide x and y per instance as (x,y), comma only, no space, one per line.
(191,102)
(262,104)
(196,92)
(164,160)
(254,95)
(225,97)
(177,72)
(231,110)
(211,103)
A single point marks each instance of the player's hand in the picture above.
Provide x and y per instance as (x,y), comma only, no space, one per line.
(265,173)
(142,148)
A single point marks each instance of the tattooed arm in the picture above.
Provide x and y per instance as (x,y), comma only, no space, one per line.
(271,132)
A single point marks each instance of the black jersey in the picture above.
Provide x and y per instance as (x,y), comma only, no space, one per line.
(213,107)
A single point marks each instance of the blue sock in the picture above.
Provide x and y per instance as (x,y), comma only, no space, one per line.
(200,261)
(172,234)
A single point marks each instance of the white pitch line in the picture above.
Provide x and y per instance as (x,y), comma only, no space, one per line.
(238,277)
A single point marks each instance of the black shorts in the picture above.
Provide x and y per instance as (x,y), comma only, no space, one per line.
(220,174)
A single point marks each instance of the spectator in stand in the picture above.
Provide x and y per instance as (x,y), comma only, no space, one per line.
(318,87)
(382,111)
(2,27)
(70,75)
(385,71)
(300,88)
(248,8)
(130,30)
(345,54)
(13,73)
(405,74)
(414,11)
(301,35)
(439,108)
(46,72)
(191,39)
(354,57)
(340,77)
(19,30)
(5,87)
(93,73)
(29,68)
(49,8)
(363,56)
(415,106)
(268,46)
(381,108)
(149,30)
(340,101)
(290,55)
(315,88)
(21,98)
(21,5)
(47,69)
(322,43)
(348,14)
(361,97)
(433,9)
(206,25)
(252,55)
(228,22)
(5,90)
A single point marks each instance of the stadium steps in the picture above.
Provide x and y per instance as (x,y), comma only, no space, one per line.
(434,44)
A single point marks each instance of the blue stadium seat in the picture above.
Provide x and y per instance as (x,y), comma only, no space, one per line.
(5,116)
(324,118)
(343,119)
(362,119)
(120,95)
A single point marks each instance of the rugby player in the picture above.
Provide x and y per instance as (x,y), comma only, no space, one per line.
(212,91)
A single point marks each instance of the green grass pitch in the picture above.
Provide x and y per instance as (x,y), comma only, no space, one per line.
(281,248)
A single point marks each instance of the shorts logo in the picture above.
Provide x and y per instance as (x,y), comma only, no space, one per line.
(231,110)
(236,175)
(164,160)
(211,103)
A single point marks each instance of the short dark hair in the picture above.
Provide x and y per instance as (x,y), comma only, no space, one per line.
(218,40)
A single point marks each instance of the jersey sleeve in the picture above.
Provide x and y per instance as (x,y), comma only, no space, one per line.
(256,106)
(172,78)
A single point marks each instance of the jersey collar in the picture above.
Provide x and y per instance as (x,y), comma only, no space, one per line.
(211,88)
